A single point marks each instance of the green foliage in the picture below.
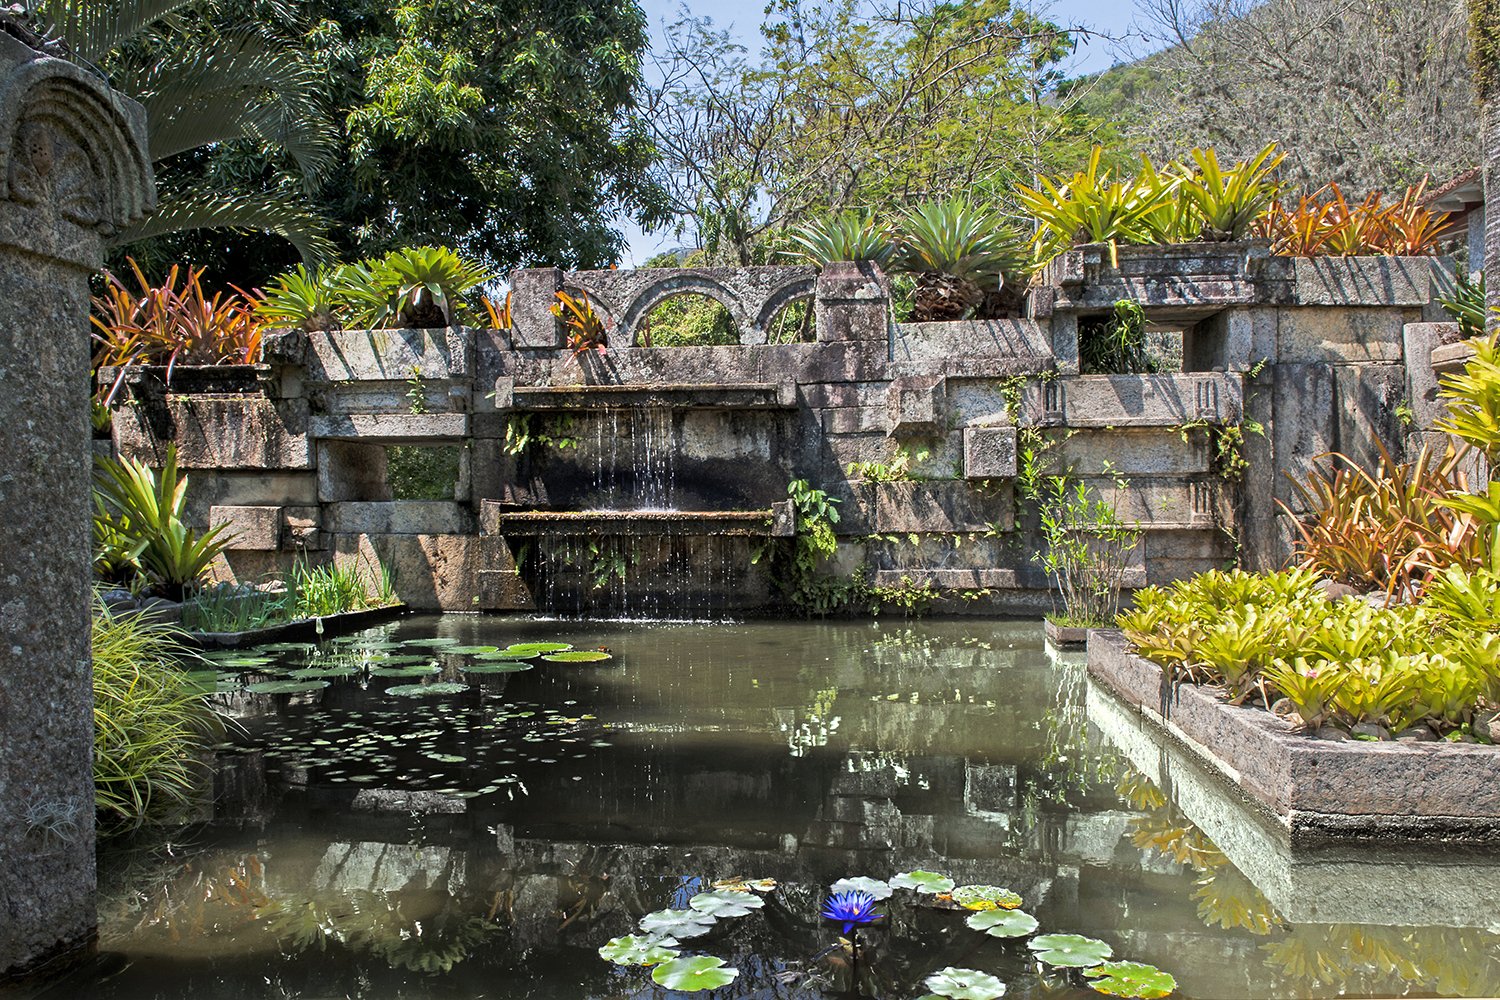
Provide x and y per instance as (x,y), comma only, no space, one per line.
(1086,548)
(964,984)
(1473,398)
(143,513)
(336,588)
(421,287)
(1130,979)
(1069,951)
(796,563)
(842,236)
(303,299)
(425,286)
(897,470)
(1342,661)
(422,472)
(1463,299)
(637,949)
(150,723)
(1115,345)
(1225,202)
(688,321)
(692,974)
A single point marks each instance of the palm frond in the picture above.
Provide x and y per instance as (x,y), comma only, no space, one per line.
(93,27)
(226,88)
(259,212)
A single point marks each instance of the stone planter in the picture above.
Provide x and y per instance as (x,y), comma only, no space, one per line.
(144,380)
(1317,791)
(305,630)
(1065,636)
(1181,275)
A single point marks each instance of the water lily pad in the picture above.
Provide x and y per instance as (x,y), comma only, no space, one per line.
(964,984)
(427,670)
(1003,923)
(496,667)
(434,642)
(421,690)
(985,897)
(578,656)
(634,949)
(285,687)
(1070,951)
(310,672)
(403,660)
(928,883)
(699,972)
(680,924)
(722,903)
(861,883)
(531,650)
(242,662)
(468,650)
(286,647)
(1131,979)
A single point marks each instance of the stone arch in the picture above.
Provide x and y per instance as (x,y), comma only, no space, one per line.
(683,283)
(796,288)
(69,142)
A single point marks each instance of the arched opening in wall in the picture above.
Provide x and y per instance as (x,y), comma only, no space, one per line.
(794,323)
(688,319)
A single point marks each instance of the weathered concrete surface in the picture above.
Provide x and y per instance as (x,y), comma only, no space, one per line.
(399,517)
(432,572)
(1369,281)
(1133,400)
(989,452)
(1319,789)
(1347,335)
(249,528)
(384,355)
(403,428)
(76,171)
(216,432)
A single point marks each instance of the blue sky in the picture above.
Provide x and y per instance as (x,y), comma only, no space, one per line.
(743,17)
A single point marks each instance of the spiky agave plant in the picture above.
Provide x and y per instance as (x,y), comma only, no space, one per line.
(303,298)
(427,284)
(1228,201)
(957,251)
(845,236)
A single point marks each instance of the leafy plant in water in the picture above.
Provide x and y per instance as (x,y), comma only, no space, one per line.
(725,903)
(1069,951)
(964,984)
(147,509)
(690,975)
(845,236)
(986,897)
(680,924)
(795,562)
(876,889)
(924,882)
(1130,979)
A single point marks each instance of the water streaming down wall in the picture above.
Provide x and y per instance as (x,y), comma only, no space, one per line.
(650,566)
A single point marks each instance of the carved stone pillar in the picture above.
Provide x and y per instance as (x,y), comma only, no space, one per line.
(73,171)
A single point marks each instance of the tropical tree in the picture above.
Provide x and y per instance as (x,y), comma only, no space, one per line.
(208,82)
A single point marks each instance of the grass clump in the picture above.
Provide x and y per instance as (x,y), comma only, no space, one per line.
(151,724)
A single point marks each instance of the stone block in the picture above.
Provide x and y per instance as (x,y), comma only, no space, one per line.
(1166,502)
(989,452)
(1368,281)
(301,528)
(533,292)
(1133,400)
(390,355)
(821,395)
(1025,339)
(215,432)
(1179,276)
(1419,341)
(1141,451)
(504,590)
(1368,397)
(352,470)
(398,517)
(855,420)
(248,528)
(1304,426)
(783,519)
(943,507)
(1341,334)
(948,579)
(240,488)
(402,428)
(853,303)
(917,405)
(1234,340)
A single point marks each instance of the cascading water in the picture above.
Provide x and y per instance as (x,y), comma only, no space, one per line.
(635,459)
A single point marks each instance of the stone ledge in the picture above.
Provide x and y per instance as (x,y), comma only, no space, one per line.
(1318,790)
(400,427)
(1368,281)
(387,355)
(1166,400)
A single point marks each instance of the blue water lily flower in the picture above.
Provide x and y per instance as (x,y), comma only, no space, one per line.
(852,908)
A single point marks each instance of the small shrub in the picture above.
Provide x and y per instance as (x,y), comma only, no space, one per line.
(1473,398)
(1086,549)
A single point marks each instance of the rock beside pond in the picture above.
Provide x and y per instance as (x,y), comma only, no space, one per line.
(1488,727)
(1371,730)
(1417,734)
(1331,733)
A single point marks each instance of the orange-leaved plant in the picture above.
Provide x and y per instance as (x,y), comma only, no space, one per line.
(173,323)
(586,329)
(1326,224)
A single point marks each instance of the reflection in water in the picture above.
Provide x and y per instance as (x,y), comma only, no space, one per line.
(488,843)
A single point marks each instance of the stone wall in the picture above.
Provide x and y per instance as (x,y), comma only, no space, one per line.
(1283,360)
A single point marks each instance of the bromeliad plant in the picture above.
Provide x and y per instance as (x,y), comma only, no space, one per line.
(846,236)
(175,322)
(140,514)
(584,328)
(1326,224)
(958,252)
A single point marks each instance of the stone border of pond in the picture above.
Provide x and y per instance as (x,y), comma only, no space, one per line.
(1065,636)
(1319,791)
(302,630)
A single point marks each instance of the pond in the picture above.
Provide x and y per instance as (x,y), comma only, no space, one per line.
(375,841)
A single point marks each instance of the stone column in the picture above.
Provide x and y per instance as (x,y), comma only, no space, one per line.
(73,171)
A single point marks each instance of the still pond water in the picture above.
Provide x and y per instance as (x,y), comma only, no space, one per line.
(485,842)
